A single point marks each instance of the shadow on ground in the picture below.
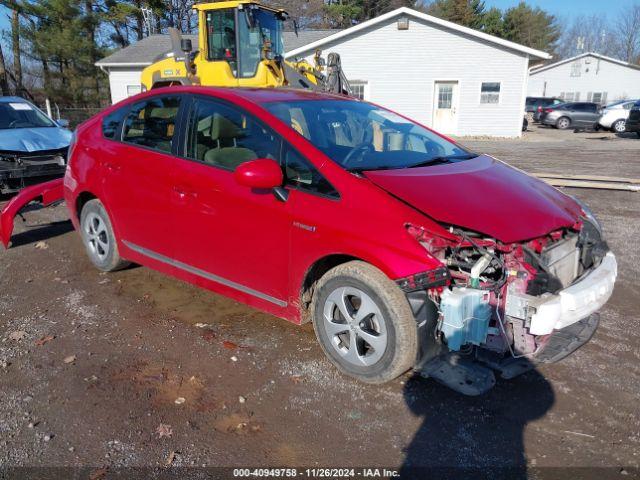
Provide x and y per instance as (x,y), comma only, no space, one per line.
(473,437)
(39,233)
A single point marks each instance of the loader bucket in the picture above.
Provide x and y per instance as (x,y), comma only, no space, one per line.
(43,194)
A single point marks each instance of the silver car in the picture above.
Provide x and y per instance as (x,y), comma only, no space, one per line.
(573,114)
(33,148)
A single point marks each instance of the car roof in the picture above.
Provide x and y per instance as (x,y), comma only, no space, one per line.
(268,95)
(254,95)
(13,100)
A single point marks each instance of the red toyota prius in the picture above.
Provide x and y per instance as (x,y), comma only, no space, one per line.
(405,249)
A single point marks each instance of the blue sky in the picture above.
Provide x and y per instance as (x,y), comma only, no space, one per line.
(568,8)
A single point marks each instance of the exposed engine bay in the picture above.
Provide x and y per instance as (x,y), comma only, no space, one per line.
(506,307)
(21,169)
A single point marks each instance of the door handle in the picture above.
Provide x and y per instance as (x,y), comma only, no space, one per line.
(184,193)
(112,167)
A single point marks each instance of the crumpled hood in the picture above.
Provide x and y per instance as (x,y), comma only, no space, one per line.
(483,195)
(30,140)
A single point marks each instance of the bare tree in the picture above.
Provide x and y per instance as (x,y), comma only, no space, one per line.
(587,34)
(17,58)
(4,84)
(627,31)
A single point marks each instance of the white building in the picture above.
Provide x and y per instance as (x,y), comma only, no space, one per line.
(589,77)
(455,79)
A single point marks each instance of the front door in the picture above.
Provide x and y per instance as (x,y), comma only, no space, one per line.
(230,234)
(445,107)
(585,114)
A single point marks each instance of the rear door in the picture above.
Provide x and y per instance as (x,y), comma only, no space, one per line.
(138,175)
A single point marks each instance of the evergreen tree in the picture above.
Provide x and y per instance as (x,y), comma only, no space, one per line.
(534,28)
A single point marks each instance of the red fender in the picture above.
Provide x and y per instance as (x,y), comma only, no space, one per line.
(47,193)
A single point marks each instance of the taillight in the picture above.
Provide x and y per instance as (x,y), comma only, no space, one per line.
(72,144)
(539,109)
(548,110)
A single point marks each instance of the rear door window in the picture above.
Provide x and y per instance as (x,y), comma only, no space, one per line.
(152,123)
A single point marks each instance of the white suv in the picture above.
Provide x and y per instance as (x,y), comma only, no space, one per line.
(614,116)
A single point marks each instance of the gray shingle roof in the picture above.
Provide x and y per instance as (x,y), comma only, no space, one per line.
(147,50)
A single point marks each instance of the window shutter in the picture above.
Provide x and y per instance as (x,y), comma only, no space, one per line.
(604,98)
(589,96)
(577,97)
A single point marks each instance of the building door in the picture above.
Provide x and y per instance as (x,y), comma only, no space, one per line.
(445,102)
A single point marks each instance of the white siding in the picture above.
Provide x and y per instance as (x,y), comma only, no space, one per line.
(401,67)
(599,75)
(120,78)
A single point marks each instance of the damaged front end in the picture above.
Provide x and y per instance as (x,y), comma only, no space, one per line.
(507,307)
(20,169)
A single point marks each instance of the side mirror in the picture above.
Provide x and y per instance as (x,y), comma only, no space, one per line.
(63,123)
(261,173)
(185,45)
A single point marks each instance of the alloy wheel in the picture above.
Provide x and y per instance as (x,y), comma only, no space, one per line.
(620,126)
(355,326)
(95,230)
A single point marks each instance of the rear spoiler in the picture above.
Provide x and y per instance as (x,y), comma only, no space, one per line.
(44,194)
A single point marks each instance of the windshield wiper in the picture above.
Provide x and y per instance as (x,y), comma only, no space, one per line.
(441,160)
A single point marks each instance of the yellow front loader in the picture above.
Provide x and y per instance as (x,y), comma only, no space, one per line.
(240,45)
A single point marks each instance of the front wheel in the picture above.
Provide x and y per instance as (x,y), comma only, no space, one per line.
(364,324)
(619,126)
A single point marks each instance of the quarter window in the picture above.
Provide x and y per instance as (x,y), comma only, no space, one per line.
(227,137)
(111,123)
(152,123)
(302,175)
(490,92)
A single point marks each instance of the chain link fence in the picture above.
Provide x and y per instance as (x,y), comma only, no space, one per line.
(75,115)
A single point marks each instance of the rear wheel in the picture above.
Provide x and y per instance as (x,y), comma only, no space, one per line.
(364,323)
(98,237)
(619,126)
(563,123)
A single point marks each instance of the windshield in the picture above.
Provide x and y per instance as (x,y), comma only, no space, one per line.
(258,28)
(22,115)
(360,136)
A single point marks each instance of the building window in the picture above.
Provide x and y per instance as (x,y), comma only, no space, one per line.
(445,96)
(599,97)
(568,96)
(360,89)
(133,90)
(576,68)
(490,92)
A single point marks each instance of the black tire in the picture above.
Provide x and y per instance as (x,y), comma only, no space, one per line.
(619,126)
(101,246)
(563,123)
(401,336)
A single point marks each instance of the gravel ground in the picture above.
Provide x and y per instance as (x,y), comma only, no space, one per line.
(135,369)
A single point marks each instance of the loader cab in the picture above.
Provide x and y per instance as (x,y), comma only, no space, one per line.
(238,39)
(243,37)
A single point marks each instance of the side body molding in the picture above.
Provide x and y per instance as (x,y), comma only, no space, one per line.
(47,193)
